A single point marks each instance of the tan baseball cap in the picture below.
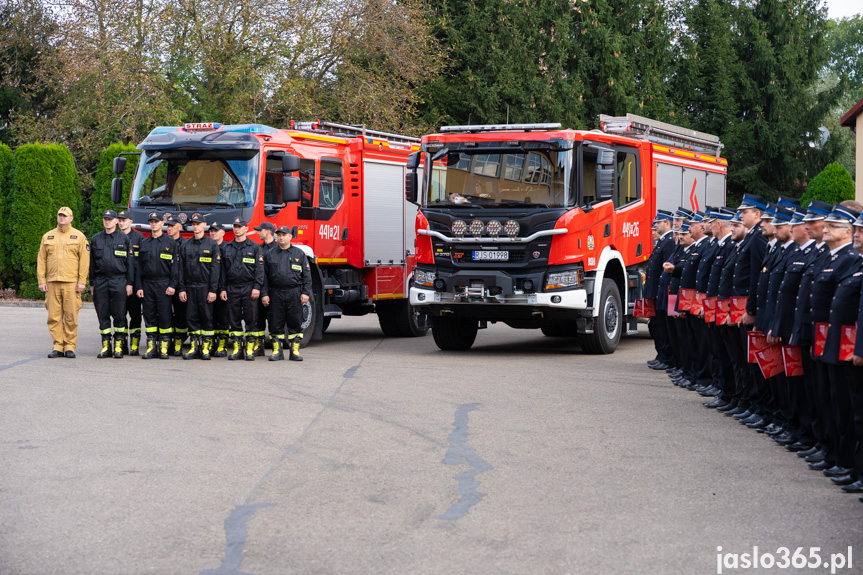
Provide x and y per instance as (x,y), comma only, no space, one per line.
(65,211)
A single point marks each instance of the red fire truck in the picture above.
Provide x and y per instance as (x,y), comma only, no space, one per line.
(339,187)
(542,227)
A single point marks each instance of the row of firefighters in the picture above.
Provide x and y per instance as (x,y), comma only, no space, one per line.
(218,294)
(758,307)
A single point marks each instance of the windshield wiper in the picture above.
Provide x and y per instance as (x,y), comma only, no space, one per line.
(229,204)
(521,205)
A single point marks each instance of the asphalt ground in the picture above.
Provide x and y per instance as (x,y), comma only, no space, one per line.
(380,455)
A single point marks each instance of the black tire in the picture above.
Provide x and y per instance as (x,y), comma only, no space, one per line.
(310,311)
(410,322)
(559,330)
(609,323)
(387,318)
(453,333)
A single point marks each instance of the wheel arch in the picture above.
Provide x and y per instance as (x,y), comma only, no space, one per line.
(610,266)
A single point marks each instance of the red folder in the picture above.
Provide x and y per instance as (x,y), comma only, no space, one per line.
(820,339)
(738,308)
(698,305)
(710,309)
(793,359)
(756,342)
(638,310)
(770,360)
(723,310)
(686,299)
(847,342)
(672,305)
(649,307)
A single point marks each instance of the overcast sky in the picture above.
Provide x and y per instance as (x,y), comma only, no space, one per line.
(844,8)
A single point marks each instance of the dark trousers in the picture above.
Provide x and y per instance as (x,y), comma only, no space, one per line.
(854,384)
(659,331)
(804,398)
(285,309)
(133,310)
(199,312)
(242,308)
(721,365)
(180,322)
(823,407)
(157,307)
(843,416)
(684,345)
(737,357)
(109,299)
(701,357)
(673,341)
(221,323)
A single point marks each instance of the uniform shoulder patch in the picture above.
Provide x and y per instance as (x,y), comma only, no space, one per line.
(50,237)
(88,247)
(73,237)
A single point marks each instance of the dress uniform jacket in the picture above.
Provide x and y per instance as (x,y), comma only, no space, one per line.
(839,265)
(661,252)
(774,255)
(801,330)
(747,267)
(705,264)
(689,271)
(844,309)
(665,281)
(720,257)
(767,318)
(726,285)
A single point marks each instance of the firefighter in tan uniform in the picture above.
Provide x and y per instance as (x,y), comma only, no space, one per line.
(61,269)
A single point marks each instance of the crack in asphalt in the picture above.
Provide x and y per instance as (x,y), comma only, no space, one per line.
(460,451)
(11,365)
(235,525)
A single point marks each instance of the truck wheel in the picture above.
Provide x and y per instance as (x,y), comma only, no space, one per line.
(387,318)
(609,323)
(308,325)
(454,333)
(559,330)
(410,322)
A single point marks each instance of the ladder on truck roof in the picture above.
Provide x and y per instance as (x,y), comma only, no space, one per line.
(661,133)
(350,131)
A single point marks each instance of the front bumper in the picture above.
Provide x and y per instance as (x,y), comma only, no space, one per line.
(574,299)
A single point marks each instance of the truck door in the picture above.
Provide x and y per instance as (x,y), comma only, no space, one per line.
(331,231)
(281,214)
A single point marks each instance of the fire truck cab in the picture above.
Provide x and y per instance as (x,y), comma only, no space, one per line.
(340,188)
(541,227)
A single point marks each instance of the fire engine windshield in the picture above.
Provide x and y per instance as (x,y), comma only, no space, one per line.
(196,178)
(501,174)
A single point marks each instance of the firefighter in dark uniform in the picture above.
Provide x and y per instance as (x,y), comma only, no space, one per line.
(287,286)
(736,374)
(133,302)
(710,368)
(267,233)
(242,280)
(782,289)
(220,307)
(834,399)
(154,284)
(747,271)
(723,377)
(801,331)
(179,322)
(854,367)
(682,376)
(111,279)
(198,271)
(661,253)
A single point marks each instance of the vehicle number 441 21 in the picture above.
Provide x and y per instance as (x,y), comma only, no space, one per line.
(329,232)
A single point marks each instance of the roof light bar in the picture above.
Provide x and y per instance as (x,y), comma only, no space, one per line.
(500,128)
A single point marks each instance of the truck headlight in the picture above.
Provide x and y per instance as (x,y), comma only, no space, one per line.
(423,278)
(557,280)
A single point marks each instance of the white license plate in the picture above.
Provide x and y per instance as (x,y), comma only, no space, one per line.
(498,255)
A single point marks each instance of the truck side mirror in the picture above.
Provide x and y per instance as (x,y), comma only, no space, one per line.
(290,189)
(117,186)
(604,183)
(119,165)
(290,163)
(411,181)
